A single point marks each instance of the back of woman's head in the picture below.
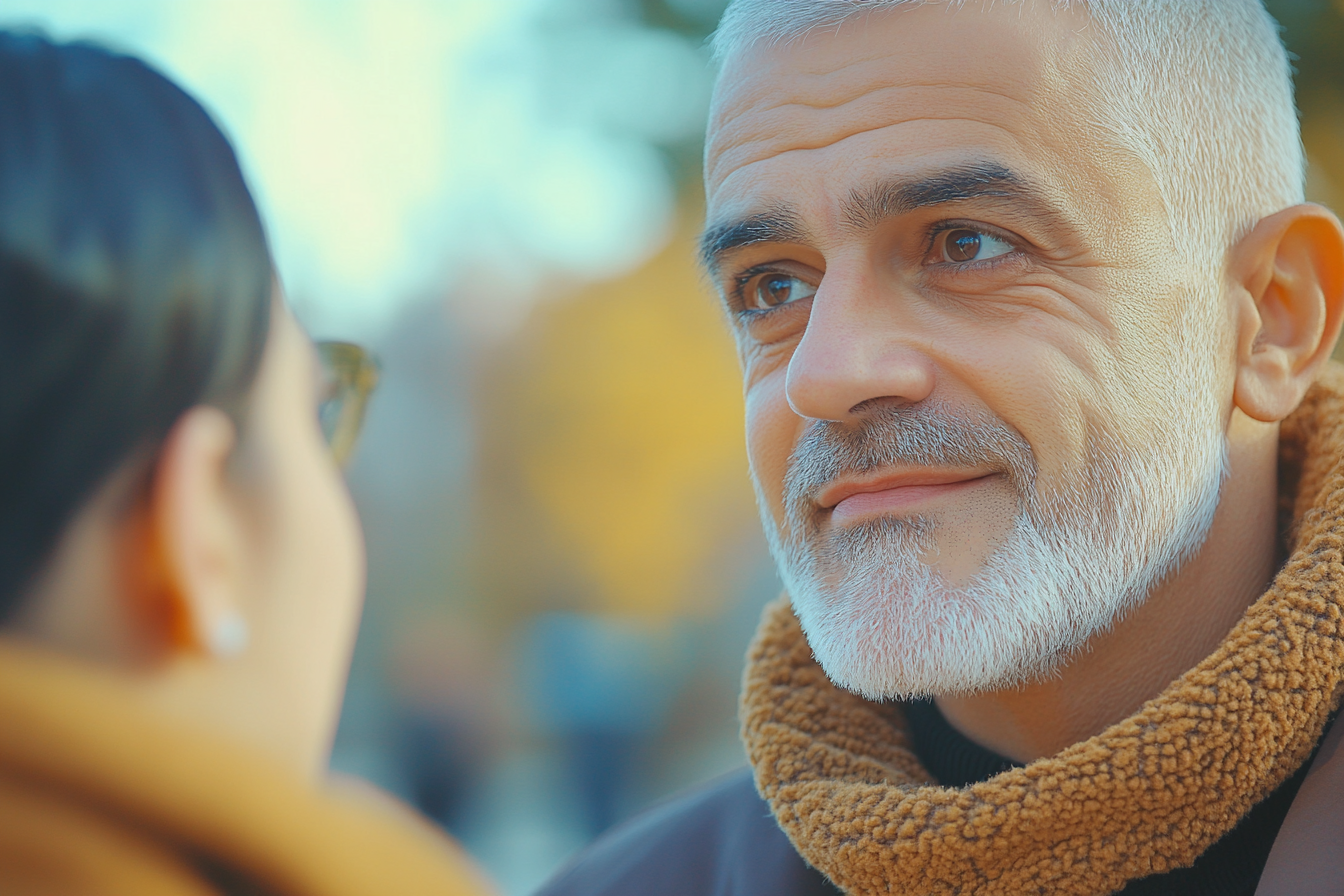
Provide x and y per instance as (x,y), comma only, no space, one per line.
(135,280)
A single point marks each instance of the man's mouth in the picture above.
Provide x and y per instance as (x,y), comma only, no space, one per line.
(898,493)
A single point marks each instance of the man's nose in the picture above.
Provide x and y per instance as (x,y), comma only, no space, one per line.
(853,352)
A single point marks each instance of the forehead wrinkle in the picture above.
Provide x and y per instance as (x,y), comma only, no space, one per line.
(758,127)
(764,152)
(866,207)
(860,93)
(743,146)
(762,112)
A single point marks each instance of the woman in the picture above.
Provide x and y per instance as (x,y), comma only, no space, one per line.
(180,563)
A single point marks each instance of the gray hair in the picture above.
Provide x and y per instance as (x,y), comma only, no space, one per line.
(1200,90)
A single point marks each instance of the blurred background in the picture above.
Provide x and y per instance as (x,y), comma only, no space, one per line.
(501,198)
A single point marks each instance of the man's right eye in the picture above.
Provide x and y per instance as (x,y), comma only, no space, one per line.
(771,290)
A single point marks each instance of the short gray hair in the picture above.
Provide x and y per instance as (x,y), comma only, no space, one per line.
(1200,90)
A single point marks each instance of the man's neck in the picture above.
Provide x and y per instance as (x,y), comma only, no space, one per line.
(1181,622)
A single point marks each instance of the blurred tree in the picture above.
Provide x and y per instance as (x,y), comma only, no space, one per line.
(613,467)
(1314,33)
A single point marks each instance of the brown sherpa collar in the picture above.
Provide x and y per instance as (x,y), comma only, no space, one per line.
(1145,796)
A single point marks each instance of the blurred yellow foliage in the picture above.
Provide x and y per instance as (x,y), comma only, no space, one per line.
(618,427)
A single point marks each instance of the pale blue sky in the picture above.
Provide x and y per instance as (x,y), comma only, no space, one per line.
(398,146)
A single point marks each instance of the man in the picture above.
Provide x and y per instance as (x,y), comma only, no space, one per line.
(1035,330)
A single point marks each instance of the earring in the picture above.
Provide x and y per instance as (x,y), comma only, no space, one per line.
(228,636)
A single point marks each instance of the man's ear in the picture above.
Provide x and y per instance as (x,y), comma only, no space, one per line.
(1289,276)
(197,534)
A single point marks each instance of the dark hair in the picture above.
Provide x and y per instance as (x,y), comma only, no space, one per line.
(135,279)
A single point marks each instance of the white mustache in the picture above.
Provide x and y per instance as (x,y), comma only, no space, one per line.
(915,435)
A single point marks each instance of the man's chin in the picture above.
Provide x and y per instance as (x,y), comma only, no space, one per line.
(880,668)
(902,633)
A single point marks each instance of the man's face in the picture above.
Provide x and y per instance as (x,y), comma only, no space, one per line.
(975,366)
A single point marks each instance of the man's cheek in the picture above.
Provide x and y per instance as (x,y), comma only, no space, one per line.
(772,430)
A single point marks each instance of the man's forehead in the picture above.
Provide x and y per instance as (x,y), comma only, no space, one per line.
(1003,65)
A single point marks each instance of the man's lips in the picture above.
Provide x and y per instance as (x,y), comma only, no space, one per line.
(848,500)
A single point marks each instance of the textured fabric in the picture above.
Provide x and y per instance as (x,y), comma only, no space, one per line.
(98,795)
(1230,867)
(718,840)
(1147,795)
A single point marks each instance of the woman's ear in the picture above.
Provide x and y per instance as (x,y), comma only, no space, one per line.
(1288,274)
(198,536)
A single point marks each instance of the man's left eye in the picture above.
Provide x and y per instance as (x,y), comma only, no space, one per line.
(962,244)
(773,289)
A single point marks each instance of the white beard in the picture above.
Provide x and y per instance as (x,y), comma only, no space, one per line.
(884,624)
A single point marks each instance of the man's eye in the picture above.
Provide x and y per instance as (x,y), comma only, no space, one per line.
(772,290)
(963,244)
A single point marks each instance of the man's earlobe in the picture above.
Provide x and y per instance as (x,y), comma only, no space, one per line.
(199,545)
(1288,275)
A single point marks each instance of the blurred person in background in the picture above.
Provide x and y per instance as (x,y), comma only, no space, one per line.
(180,564)
(1035,328)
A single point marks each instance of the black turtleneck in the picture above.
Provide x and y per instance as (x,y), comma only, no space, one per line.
(1230,867)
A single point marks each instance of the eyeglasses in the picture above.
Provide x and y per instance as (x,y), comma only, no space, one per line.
(352,374)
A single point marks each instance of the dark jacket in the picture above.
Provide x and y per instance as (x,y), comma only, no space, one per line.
(718,840)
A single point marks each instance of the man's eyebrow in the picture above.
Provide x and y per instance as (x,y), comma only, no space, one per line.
(779,225)
(867,208)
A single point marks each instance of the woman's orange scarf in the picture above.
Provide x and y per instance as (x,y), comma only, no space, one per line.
(1147,795)
(98,795)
